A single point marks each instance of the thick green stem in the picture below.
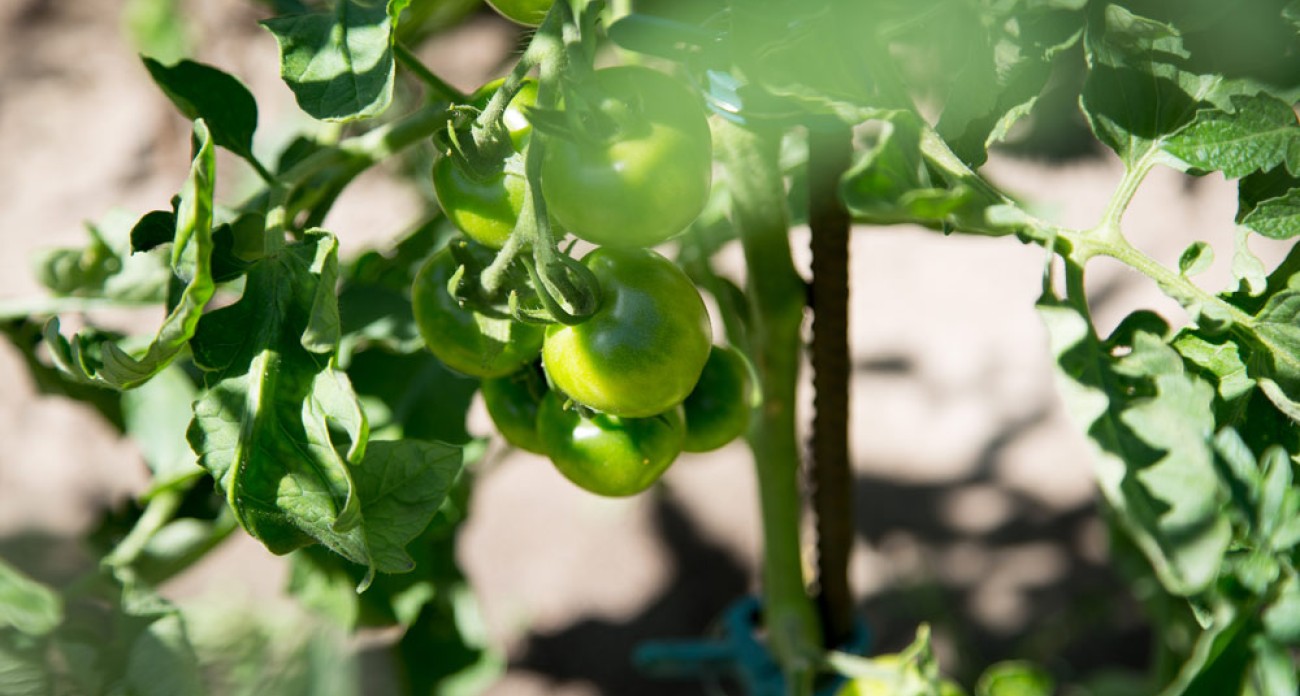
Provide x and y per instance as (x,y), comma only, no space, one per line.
(750,164)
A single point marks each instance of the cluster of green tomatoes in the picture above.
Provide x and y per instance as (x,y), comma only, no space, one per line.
(613,399)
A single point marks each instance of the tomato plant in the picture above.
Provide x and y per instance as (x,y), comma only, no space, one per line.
(317,397)
(609,455)
(636,170)
(642,352)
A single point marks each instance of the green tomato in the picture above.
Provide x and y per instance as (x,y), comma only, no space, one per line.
(643,184)
(608,455)
(512,402)
(486,208)
(642,352)
(718,409)
(463,339)
(529,13)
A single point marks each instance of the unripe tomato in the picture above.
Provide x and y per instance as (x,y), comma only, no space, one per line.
(456,335)
(718,409)
(608,455)
(486,209)
(642,184)
(642,352)
(529,13)
(512,402)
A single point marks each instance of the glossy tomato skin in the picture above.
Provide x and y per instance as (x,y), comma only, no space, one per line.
(640,186)
(642,352)
(526,12)
(608,455)
(512,402)
(453,332)
(718,409)
(486,209)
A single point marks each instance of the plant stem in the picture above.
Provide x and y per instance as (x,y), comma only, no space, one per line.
(830,148)
(160,510)
(1173,284)
(1123,195)
(750,163)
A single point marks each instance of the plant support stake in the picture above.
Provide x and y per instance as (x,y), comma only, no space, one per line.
(830,150)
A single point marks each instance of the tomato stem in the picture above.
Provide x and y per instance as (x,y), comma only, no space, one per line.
(750,164)
(160,510)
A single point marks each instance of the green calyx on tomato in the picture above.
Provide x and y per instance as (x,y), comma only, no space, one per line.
(645,180)
(608,455)
(512,402)
(718,409)
(463,339)
(529,13)
(642,351)
(483,200)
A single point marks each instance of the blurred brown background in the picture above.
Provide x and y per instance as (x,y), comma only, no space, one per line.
(976,509)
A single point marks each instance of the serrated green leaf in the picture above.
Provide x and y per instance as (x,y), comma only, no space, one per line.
(402,483)
(339,64)
(204,92)
(27,606)
(1257,133)
(1221,358)
(278,415)
(1276,218)
(1151,453)
(1002,58)
(191,257)
(1179,420)
(263,427)
(1277,333)
(1136,96)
